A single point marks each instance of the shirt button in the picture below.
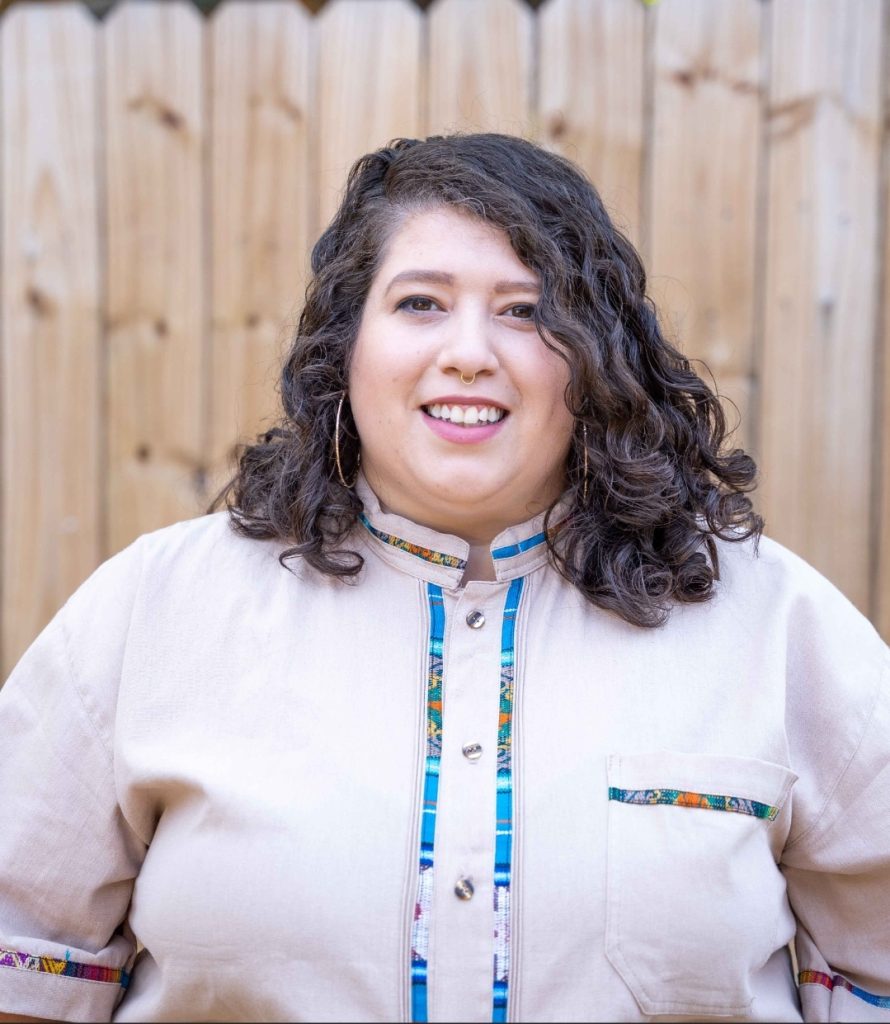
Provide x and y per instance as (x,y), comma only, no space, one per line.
(473,751)
(475,620)
(464,889)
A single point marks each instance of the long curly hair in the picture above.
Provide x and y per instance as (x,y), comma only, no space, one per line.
(659,486)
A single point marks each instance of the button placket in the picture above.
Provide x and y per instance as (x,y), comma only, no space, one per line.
(461,942)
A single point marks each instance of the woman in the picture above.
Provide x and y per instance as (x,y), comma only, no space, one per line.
(488,707)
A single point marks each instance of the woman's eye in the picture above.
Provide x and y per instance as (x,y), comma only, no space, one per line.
(418,304)
(522,311)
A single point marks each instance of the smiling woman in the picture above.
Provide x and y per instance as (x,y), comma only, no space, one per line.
(485,258)
(480,700)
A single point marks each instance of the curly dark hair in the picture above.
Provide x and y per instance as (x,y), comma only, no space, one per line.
(660,486)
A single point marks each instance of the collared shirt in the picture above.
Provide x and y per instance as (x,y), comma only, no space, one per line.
(236,792)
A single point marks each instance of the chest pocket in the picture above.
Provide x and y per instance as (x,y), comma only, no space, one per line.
(696,901)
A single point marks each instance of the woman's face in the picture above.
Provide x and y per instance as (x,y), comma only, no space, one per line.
(451,302)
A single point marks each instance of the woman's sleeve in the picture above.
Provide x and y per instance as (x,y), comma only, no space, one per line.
(68,858)
(837,860)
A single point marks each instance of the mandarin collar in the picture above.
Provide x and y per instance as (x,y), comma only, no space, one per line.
(441,558)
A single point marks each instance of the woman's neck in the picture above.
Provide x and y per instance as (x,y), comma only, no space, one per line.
(479,564)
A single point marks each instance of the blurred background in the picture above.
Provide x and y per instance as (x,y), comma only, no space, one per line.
(166,166)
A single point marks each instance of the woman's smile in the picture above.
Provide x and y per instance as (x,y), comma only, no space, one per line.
(464,420)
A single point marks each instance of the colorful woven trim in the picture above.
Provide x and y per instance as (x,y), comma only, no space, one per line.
(66,968)
(427,554)
(420,929)
(837,981)
(684,798)
(503,851)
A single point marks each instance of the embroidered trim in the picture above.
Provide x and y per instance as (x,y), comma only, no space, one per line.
(66,968)
(684,798)
(420,929)
(427,554)
(829,982)
(503,853)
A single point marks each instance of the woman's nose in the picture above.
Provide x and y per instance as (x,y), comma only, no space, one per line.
(468,344)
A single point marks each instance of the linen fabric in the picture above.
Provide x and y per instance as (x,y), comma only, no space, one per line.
(214,772)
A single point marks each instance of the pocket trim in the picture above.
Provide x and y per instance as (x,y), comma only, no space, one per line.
(687,798)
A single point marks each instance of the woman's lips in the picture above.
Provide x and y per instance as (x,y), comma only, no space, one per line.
(461,434)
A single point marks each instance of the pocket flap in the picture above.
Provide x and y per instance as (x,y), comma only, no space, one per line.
(695,902)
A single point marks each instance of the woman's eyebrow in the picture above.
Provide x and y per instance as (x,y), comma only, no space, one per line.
(444,278)
(516,286)
(424,276)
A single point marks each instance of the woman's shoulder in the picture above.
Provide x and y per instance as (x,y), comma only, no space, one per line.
(204,547)
(771,598)
(767,578)
(192,564)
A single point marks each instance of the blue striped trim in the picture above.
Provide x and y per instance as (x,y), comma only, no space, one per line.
(420,929)
(503,846)
(516,549)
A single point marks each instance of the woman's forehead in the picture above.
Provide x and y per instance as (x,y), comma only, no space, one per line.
(441,244)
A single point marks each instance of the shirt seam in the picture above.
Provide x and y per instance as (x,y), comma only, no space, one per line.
(75,686)
(814,827)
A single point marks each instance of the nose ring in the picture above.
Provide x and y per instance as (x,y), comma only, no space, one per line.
(464,380)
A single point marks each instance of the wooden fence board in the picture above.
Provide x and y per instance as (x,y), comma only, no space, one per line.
(480,67)
(704,187)
(156,261)
(817,415)
(368,86)
(260,81)
(591,73)
(49,275)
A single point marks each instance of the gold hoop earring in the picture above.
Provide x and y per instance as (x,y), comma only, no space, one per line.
(463,380)
(348,486)
(584,469)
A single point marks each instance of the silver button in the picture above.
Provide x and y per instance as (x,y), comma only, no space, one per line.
(473,751)
(464,889)
(475,620)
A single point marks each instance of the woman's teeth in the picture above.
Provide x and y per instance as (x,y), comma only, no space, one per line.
(466,415)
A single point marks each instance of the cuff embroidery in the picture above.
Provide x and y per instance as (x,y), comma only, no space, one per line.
(67,968)
(837,981)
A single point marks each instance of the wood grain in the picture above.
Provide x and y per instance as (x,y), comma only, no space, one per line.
(368,87)
(50,418)
(155,118)
(817,415)
(260,56)
(704,181)
(480,67)
(591,73)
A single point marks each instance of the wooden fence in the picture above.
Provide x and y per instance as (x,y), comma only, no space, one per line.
(164,174)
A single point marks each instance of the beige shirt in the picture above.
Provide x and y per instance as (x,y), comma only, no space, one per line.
(228,764)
